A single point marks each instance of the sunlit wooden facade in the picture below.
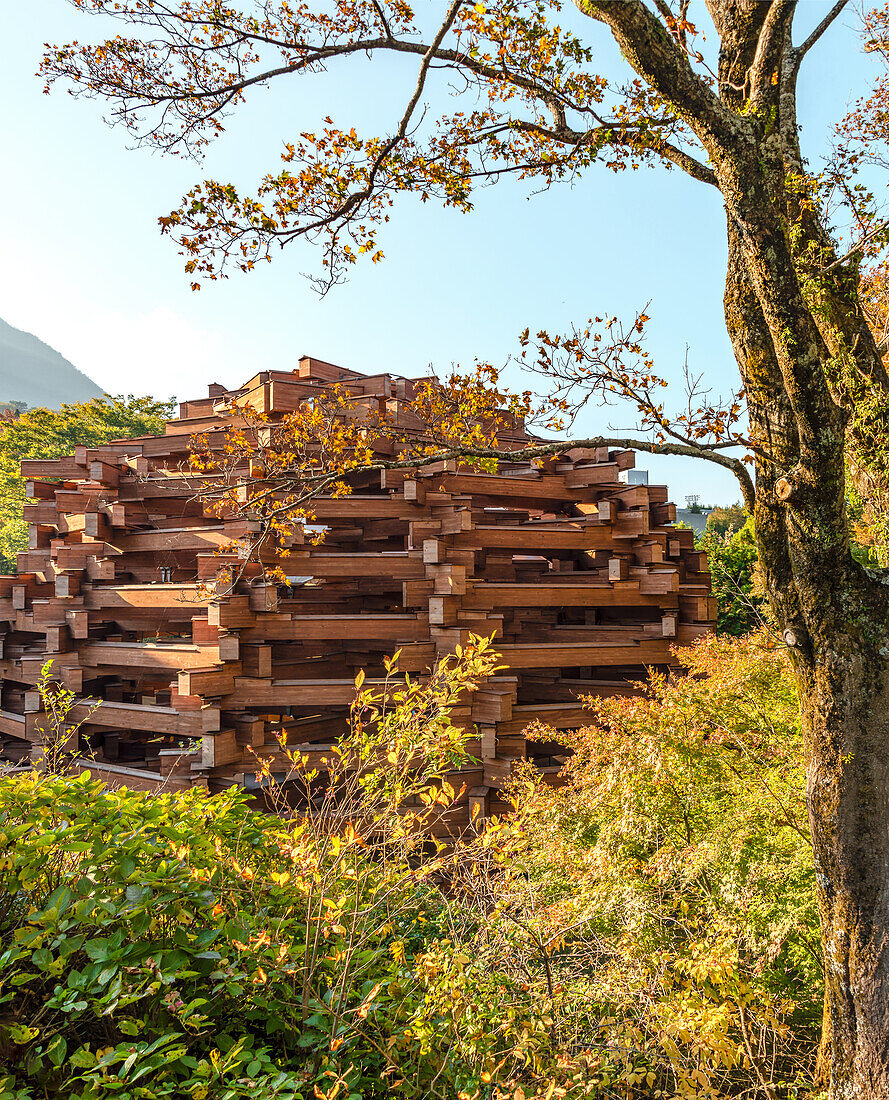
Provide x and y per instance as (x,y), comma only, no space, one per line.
(580,576)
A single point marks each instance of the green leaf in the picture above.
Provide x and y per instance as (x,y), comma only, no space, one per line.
(83,1058)
(42,958)
(98,950)
(21,1034)
(57,1049)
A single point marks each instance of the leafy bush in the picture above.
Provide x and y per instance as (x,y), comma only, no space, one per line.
(183,945)
(134,942)
(668,887)
(725,518)
(646,930)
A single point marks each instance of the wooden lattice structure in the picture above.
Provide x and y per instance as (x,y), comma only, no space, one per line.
(579,574)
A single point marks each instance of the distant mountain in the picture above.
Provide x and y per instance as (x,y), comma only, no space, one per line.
(33,372)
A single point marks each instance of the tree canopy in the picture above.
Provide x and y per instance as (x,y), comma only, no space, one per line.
(51,433)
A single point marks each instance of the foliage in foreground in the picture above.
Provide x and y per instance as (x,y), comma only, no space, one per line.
(646,930)
(50,433)
(673,877)
(188,946)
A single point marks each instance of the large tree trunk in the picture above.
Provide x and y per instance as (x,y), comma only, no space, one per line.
(789,340)
(837,627)
(814,384)
(836,622)
(835,619)
(844,688)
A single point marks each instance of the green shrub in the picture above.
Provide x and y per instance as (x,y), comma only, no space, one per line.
(724,519)
(732,561)
(646,930)
(186,946)
(51,433)
(672,878)
(133,942)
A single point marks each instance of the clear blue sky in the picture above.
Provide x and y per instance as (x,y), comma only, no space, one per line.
(87,271)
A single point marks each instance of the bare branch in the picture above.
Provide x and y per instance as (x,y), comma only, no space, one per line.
(543,450)
(859,246)
(800,51)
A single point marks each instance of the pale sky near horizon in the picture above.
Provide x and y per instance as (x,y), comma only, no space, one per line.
(87,271)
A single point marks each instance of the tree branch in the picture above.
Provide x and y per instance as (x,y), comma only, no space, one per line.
(800,51)
(656,144)
(542,450)
(859,247)
(659,60)
(769,50)
(687,163)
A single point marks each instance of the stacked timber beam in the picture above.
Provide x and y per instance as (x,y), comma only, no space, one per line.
(582,578)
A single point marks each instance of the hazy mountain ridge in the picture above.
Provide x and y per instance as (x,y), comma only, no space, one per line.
(35,373)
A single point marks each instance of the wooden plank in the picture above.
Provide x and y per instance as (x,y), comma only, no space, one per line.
(136,779)
(147,655)
(186,538)
(147,596)
(494,595)
(365,628)
(569,715)
(537,537)
(406,565)
(62,468)
(276,694)
(328,510)
(209,681)
(151,719)
(13,725)
(574,654)
(220,748)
